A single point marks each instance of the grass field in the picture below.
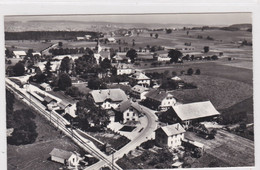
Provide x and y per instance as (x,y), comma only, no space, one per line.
(36,155)
(26,44)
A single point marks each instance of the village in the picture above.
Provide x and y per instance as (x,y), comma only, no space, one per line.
(130,105)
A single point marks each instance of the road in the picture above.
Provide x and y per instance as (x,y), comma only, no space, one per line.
(60,123)
(143,136)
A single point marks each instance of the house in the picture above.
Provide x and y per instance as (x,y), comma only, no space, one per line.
(163,58)
(120,57)
(123,68)
(50,103)
(45,87)
(19,54)
(170,136)
(68,107)
(177,164)
(127,111)
(64,157)
(108,98)
(36,53)
(33,69)
(160,100)
(88,37)
(176,78)
(80,38)
(111,40)
(141,79)
(194,112)
(139,92)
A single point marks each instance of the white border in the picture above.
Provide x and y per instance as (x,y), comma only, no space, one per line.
(39,7)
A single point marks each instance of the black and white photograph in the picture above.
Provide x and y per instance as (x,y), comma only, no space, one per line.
(129,91)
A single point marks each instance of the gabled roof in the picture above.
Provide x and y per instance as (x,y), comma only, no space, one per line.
(176,78)
(63,104)
(19,52)
(124,105)
(44,85)
(140,76)
(61,153)
(139,89)
(173,129)
(157,95)
(49,99)
(195,110)
(116,95)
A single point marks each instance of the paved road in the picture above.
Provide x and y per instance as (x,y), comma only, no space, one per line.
(143,136)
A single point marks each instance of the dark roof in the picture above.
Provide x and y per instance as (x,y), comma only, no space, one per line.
(49,99)
(123,106)
(195,110)
(157,95)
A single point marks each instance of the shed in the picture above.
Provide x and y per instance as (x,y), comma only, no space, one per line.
(64,157)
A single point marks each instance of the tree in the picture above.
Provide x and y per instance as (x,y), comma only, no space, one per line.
(73,91)
(8,53)
(48,69)
(156,35)
(65,64)
(197,72)
(105,64)
(187,32)
(95,84)
(18,69)
(175,55)
(214,57)
(174,73)
(151,34)
(60,44)
(64,81)
(132,54)
(168,31)
(190,71)
(206,49)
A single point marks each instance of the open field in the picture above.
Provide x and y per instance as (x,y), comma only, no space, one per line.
(36,155)
(26,45)
(216,89)
(227,149)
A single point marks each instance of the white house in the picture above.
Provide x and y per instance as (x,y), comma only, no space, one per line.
(160,100)
(19,54)
(108,98)
(80,38)
(170,136)
(88,37)
(111,40)
(64,157)
(141,79)
(139,92)
(128,111)
(36,53)
(45,87)
(123,68)
(163,58)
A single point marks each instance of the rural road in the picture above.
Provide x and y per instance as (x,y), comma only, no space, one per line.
(143,136)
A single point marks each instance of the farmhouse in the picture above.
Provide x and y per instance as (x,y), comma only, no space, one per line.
(124,68)
(19,54)
(64,157)
(45,87)
(160,100)
(170,136)
(127,111)
(141,79)
(163,58)
(108,98)
(139,92)
(193,112)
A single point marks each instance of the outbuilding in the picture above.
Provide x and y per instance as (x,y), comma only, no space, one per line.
(64,157)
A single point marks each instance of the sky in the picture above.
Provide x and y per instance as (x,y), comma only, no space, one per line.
(194,19)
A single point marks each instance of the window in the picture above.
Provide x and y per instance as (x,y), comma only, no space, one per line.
(133,114)
(127,114)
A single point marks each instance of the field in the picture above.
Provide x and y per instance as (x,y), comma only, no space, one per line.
(25,157)
(26,45)
(225,150)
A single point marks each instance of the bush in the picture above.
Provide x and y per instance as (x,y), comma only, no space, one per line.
(148,144)
(190,71)
(197,72)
